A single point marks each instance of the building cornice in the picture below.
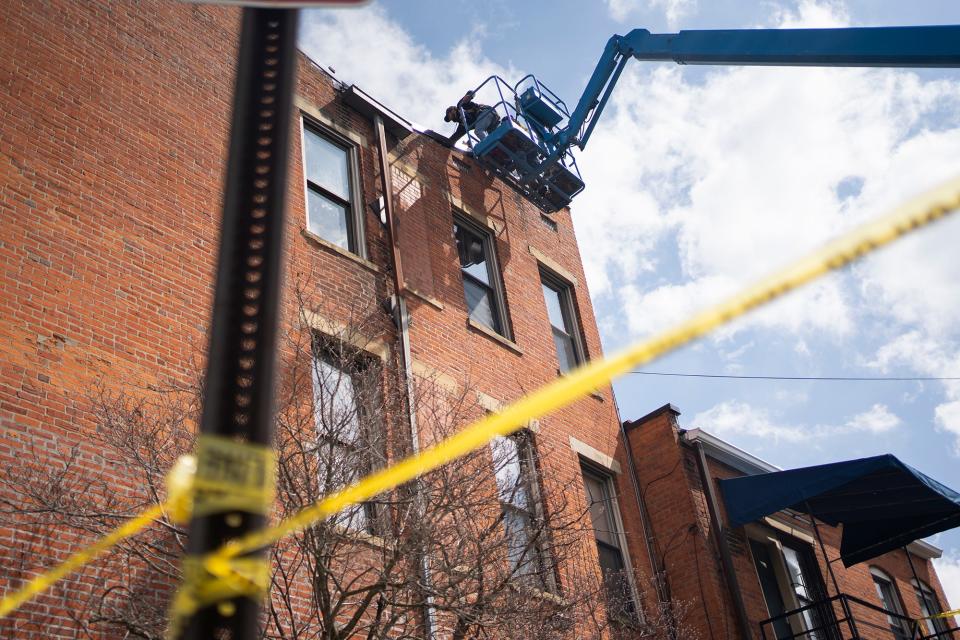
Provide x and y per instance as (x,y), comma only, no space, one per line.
(728,454)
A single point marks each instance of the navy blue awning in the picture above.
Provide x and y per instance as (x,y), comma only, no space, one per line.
(882,503)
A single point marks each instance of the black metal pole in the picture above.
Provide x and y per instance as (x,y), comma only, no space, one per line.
(238,394)
(844,605)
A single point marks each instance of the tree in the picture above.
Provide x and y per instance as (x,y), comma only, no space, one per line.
(493,545)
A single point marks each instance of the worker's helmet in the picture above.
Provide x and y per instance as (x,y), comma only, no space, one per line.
(451,115)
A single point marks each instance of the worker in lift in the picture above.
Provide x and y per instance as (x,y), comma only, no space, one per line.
(479,117)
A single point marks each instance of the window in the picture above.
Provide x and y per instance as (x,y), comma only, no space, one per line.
(563,322)
(517,492)
(792,586)
(890,601)
(328,169)
(930,606)
(606,530)
(343,396)
(481,284)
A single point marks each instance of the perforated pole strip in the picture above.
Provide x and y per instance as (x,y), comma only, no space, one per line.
(234,470)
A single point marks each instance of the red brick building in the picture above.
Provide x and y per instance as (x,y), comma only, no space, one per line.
(112,143)
(777,564)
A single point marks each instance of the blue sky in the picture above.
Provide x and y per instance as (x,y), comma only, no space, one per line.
(701,179)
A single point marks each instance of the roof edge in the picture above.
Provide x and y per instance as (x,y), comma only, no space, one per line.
(667,408)
(924,550)
(369,107)
(728,454)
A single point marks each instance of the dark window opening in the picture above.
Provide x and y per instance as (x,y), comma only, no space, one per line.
(607,534)
(481,285)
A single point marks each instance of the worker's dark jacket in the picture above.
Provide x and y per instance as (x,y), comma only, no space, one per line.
(472,111)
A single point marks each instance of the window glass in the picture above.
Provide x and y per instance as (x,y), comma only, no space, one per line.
(483,304)
(891,602)
(523,556)
(566,352)
(554,307)
(480,305)
(472,250)
(930,606)
(612,565)
(562,322)
(509,472)
(343,455)
(600,516)
(330,212)
(328,219)
(327,164)
(513,470)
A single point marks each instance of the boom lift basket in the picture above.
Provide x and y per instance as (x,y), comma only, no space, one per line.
(519,148)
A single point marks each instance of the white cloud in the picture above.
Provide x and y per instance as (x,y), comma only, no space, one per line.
(947,417)
(811,14)
(731,418)
(928,356)
(876,419)
(368,49)
(948,570)
(725,176)
(673,10)
(736,418)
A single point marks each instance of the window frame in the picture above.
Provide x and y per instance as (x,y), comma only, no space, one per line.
(940,626)
(775,540)
(568,309)
(356,227)
(365,378)
(897,627)
(606,480)
(543,574)
(496,287)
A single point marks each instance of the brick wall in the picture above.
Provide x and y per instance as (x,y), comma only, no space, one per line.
(112,141)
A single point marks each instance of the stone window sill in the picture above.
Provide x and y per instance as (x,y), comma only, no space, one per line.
(316,240)
(493,335)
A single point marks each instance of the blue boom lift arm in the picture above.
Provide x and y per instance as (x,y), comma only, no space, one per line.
(930,46)
(532,146)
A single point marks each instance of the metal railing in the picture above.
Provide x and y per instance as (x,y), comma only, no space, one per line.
(846,617)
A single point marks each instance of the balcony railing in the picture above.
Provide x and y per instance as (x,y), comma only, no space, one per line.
(846,617)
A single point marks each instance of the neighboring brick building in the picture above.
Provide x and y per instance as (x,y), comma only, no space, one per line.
(112,142)
(772,558)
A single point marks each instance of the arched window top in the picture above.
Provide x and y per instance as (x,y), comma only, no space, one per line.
(877,572)
(921,586)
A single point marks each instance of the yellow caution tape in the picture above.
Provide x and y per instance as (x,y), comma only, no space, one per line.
(914,214)
(238,577)
(41,583)
(230,476)
(233,476)
(229,574)
(942,614)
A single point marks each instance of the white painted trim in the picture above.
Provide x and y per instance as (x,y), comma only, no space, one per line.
(728,454)
(924,550)
(799,534)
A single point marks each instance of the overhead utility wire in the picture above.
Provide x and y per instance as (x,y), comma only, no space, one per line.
(814,378)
